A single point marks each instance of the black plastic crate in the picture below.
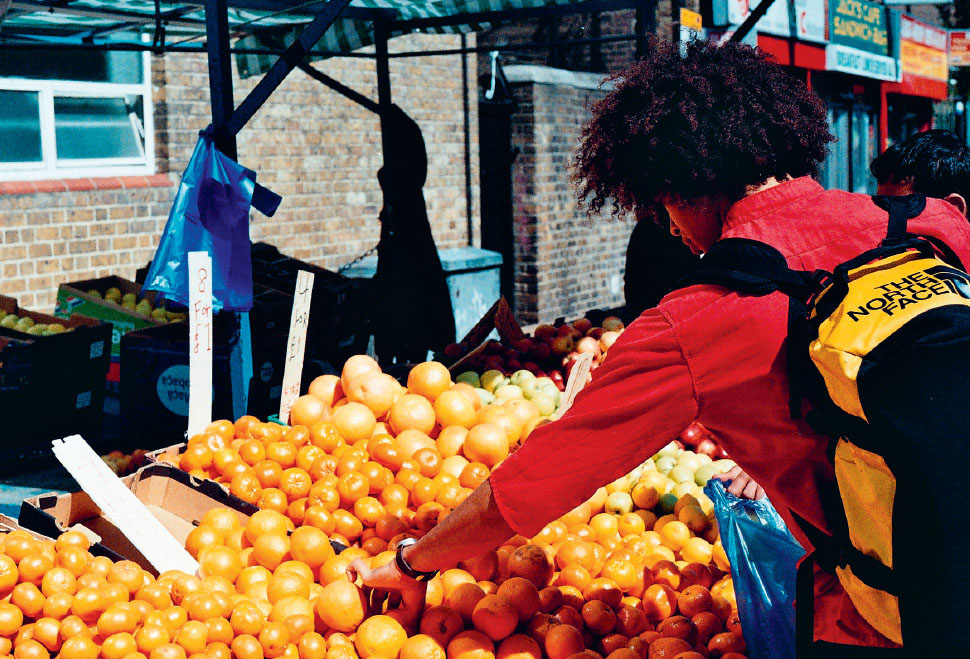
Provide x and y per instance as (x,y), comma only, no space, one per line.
(155,372)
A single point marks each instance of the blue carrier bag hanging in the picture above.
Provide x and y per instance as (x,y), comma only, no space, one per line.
(211,214)
(764,557)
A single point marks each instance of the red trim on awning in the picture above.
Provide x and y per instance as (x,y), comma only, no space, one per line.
(806,56)
(913,85)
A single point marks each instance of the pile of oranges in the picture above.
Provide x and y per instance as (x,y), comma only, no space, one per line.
(367,463)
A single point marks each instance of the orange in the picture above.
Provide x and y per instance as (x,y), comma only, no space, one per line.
(379,636)
(268,473)
(246,618)
(201,537)
(57,580)
(498,415)
(220,562)
(327,388)
(441,623)
(523,595)
(623,573)
(311,546)
(411,412)
(79,647)
(31,649)
(429,462)
(463,599)
(222,427)
(272,498)
(454,466)
(324,436)
(473,475)
(244,426)
(9,574)
(265,522)
(47,632)
(149,637)
(576,552)
(246,646)
(410,441)
(11,619)
(354,421)
(282,453)
(531,562)
(375,390)
(471,644)
(496,616)
(312,646)
(19,544)
(450,440)
(562,641)
(308,410)
(72,539)
(192,637)
(218,630)
(167,651)
(307,456)
(523,411)
(429,379)
(486,443)
(72,626)
(422,646)
(368,510)
(598,617)
(118,646)
(252,452)
(117,618)
(334,569)
(355,367)
(295,483)
(287,584)
(518,646)
(342,606)
(273,638)
(28,598)
(351,487)
(454,409)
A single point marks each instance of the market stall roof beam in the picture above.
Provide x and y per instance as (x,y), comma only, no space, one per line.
(751,20)
(513,14)
(296,53)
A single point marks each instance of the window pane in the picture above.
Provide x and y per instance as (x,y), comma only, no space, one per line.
(19,127)
(98,127)
(83,66)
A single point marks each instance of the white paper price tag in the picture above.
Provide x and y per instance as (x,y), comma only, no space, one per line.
(122,507)
(200,342)
(296,345)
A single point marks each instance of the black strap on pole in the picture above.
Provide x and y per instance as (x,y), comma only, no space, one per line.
(339,87)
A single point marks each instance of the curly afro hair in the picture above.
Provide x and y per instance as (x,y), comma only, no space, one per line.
(710,123)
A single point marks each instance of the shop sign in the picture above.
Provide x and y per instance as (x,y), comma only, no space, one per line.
(959,47)
(859,24)
(860,63)
(808,17)
(690,26)
(922,49)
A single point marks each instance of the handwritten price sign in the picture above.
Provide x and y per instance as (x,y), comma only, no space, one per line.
(296,345)
(200,341)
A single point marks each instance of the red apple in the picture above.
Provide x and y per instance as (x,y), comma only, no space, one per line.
(511,353)
(583,325)
(523,345)
(542,352)
(545,332)
(706,446)
(513,364)
(557,378)
(607,339)
(596,332)
(612,324)
(692,434)
(562,345)
(588,344)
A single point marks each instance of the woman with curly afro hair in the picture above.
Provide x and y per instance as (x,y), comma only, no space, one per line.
(727,143)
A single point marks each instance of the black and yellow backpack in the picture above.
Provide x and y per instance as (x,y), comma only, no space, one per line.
(880,348)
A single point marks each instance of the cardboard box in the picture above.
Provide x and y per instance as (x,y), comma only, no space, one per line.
(499,319)
(72,298)
(50,386)
(8,524)
(178,501)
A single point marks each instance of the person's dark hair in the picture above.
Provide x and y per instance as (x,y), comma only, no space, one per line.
(713,122)
(936,160)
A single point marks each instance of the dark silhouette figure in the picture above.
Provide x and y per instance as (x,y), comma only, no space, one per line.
(655,262)
(413,306)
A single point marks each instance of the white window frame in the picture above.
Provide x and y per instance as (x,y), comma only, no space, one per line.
(52,168)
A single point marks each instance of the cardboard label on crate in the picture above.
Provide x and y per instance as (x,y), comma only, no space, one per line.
(172,388)
(122,507)
(200,341)
(578,377)
(296,344)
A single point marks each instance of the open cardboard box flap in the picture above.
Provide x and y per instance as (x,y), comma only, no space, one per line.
(499,318)
(175,498)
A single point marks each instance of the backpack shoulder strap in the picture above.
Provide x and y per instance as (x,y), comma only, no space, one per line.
(750,267)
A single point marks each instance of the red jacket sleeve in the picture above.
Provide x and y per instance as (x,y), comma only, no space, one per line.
(640,399)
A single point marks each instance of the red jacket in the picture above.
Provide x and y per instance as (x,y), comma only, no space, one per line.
(705,354)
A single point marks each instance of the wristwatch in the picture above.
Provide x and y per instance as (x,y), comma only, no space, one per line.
(403,566)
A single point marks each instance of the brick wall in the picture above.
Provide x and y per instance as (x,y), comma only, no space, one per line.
(566,264)
(313,146)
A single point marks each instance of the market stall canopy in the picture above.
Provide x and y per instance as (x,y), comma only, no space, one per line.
(261,23)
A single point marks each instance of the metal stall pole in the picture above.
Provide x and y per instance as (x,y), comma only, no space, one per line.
(220,92)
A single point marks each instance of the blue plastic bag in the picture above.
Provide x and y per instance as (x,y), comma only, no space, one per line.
(764,557)
(211,214)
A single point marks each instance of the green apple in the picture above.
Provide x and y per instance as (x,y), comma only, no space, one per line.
(529,387)
(545,403)
(648,465)
(665,463)
(704,473)
(704,459)
(486,396)
(56,328)
(470,378)
(667,503)
(25,323)
(94,293)
(129,297)
(670,449)
(520,376)
(689,460)
(724,465)
(681,474)
(619,503)
(10,321)
(506,391)
(492,380)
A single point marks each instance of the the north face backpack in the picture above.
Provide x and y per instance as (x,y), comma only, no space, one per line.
(880,347)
